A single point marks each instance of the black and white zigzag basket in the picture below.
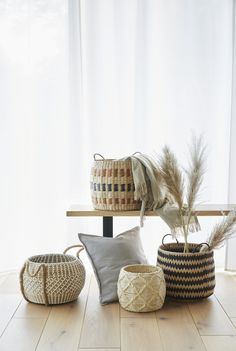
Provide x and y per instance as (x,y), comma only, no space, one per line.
(188,276)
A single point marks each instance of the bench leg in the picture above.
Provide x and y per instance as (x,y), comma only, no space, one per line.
(107,227)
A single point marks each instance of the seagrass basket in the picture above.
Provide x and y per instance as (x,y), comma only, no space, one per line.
(112,185)
(141,288)
(188,276)
(52,278)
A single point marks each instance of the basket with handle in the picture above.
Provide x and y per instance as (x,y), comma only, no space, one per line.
(189,276)
(53,278)
(112,185)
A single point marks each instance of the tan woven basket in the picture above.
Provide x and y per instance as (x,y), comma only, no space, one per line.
(141,288)
(112,185)
(53,278)
(189,276)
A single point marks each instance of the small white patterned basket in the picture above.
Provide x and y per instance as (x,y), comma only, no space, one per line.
(141,288)
(53,278)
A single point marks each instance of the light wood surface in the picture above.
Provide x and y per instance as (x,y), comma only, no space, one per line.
(8,305)
(88,211)
(139,334)
(177,328)
(10,284)
(64,325)
(127,314)
(233,320)
(210,318)
(31,310)
(220,343)
(85,325)
(26,333)
(226,292)
(101,328)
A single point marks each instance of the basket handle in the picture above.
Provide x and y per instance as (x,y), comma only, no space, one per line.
(137,152)
(26,267)
(194,250)
(101,157)
(165,237)
(71,247)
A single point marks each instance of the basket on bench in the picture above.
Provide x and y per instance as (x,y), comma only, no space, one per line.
(112,185)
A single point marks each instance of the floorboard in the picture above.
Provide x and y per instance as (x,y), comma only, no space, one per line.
(85,325)
(8,306)
(177,329)
(139,334)
(63,328)
(225,292)
(101,327)
(210,317)
(22,334)
(220,343)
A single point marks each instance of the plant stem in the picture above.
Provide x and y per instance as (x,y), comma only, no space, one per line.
(186,249)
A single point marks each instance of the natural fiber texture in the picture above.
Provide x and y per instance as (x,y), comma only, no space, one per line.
(149,188)
(222,231)
(141,288)
(187,275)
(112,186)
(52,278)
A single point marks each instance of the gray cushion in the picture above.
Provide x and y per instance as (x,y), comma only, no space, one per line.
(109,255)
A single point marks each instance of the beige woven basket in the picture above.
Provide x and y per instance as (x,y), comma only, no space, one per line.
(53,278)
(141,288)
(112,185)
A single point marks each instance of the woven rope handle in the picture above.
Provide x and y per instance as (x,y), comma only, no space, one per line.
(73,246)
(26,267)
(101,157)
(201,244)
(165,237)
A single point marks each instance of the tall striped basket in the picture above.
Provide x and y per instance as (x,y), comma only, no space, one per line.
(112,185)
(188,276)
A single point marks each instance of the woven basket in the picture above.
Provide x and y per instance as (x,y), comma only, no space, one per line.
(112,185)
(53,278)
(188,276)
(141,288)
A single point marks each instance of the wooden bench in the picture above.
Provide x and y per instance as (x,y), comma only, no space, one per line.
(107,216)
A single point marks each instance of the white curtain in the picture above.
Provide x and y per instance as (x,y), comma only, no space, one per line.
(34,129)
(230,262)
(107,76)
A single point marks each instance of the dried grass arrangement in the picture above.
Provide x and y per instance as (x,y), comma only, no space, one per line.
(189,268)
(183,187)
(222,231)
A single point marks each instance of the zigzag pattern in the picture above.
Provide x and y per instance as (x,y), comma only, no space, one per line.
(188,276)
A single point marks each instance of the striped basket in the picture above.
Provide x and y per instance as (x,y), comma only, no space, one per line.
(188,276)
(53,278)
(112,185)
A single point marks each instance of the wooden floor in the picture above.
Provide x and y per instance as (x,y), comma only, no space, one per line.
(86,326)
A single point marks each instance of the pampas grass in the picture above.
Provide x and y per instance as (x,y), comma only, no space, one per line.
(222,231)
(174,181)
(195,173)
(172,176)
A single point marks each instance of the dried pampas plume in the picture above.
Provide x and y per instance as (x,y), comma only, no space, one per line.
(195,172)
(172,176)
(222,231)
